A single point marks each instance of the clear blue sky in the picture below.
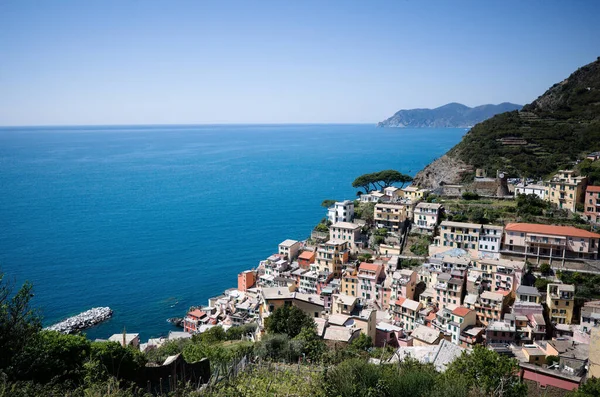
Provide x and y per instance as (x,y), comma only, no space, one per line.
(184,62)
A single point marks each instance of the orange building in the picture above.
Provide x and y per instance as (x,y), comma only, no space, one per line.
(246,279)
(305,259)
(193,320)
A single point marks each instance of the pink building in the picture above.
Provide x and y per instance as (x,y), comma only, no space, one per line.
(591,204)
(369,275)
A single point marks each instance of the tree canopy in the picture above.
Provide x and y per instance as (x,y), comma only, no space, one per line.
(381,180)
(289,320)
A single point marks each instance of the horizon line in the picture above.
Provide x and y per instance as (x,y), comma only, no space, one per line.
(173,125)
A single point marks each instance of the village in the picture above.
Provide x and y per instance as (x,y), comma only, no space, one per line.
(479,284)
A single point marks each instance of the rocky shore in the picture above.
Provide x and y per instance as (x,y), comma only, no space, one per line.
(82,321)
(445,170)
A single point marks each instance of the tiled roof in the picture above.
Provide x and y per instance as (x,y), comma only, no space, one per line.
(461,311)
(197,313)
(307,255)
(595,189)
(370,267)
(550,230)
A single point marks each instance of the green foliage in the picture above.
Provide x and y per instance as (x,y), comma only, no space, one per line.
(379,240)
(363,342)
(421,246)
(470,196)
(365,257)
(591,169)
(321,227)
(310,344)
(586,286)
(288,320)
(488,373)
(530,204)
(117,361)
(327,203)
(52,356)
(380,180)
(19,323)
(541,284)
(591,388)
(212,335)
(383,232)
(545,269)
(365,211)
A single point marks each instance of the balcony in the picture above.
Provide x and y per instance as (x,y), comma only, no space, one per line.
(545,241)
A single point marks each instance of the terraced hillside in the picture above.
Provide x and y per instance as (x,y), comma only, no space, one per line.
(553,131)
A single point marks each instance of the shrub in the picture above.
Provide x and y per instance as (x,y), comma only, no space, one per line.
(470,196)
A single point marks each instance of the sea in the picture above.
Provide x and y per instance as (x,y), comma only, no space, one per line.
(151,220)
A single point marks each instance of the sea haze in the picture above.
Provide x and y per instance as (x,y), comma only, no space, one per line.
(151,220)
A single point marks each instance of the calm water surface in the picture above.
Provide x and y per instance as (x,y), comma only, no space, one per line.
(152,220)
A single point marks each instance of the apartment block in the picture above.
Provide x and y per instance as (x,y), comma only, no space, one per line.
(369,275)
(560,299)
(246,279)
(448,290)
(415,193)
(403,284)
(406,312)
(461,319)
(346,231)
(565,189)
(426,217)
(331,256)
(349,284)
(538,190)
(458,235)
(289,249)
(490,307)
(537,243)
(498,274)
(341,211)
(391,216)
(591,204)
(490,240)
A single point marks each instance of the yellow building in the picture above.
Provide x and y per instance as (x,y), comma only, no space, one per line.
(331,256)
(560,299)
(566,190)
(391,216)
(594,360)
(415,193)
(349,285)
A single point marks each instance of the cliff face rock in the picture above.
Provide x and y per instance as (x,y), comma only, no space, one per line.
(452,115)
(446,170)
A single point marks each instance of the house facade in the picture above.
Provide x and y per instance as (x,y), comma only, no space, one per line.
(565,189)
(591,204)
(537,243)
(426,217)
(560,300)
(341,211)
(346,231)
(331,256)
(391,216)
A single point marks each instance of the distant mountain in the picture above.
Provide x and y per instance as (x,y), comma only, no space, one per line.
(552,132)
(452,115)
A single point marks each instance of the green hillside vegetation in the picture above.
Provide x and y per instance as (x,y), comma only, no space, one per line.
(555,130)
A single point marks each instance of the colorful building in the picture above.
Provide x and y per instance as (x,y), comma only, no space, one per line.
(566,190)
(591,204)
(246,279)
(560,300)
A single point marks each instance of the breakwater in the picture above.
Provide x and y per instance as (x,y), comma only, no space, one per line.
(83,320)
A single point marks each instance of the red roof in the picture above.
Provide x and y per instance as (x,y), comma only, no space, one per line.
(306,255)
(197,313)
(595,189)
(370,266)
(550,230)
(400,301)
(430,316)
(461,311)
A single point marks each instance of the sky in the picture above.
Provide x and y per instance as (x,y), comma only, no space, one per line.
(93,62)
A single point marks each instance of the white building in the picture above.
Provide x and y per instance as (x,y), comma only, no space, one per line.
(538,190)
(490,239)
(289,249)
(426,216)
(341,211)
(346,231)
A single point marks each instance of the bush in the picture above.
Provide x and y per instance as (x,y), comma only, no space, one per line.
(541,284)
(470,196)
(545,269)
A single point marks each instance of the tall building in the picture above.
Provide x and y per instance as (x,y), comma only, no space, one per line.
(566,190)
(341,211)
(560,299)
(591,204)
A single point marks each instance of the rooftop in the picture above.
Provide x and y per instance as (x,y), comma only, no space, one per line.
(439,355)
(526,290)
(288,243)
(595,189)
(568,231)
(306,255)
(461,224)
(277,293)
(461,311)
(410,304)
(426,334)
(346,225)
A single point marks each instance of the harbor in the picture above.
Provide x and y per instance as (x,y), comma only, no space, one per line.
(84,320)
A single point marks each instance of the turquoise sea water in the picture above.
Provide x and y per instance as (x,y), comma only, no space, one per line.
(139,218)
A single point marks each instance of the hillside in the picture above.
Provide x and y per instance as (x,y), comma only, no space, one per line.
(452,115)
(559,127)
